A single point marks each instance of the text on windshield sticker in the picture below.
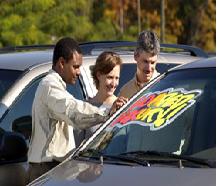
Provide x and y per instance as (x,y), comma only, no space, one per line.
(158,109)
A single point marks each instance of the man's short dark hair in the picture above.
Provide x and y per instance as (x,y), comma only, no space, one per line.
(65,48)
(148,41)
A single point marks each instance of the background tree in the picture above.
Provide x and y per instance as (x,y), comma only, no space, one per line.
(199,23)
(26,22)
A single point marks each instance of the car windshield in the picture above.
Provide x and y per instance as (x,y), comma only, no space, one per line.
(7,78)
(176,115)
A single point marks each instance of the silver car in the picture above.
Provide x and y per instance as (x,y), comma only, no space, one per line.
(22,70)
(165,135)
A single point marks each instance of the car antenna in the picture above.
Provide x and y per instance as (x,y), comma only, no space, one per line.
(181,165)
(101,160)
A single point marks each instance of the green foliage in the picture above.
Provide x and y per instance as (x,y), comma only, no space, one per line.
(198,23)
(103,30)
(21,22)
(25,22)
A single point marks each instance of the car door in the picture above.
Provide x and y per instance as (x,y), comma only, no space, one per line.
(18,117)
(13,166)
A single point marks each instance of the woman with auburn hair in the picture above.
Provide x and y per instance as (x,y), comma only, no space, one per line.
(106,74)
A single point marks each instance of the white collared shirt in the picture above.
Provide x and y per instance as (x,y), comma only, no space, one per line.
(55,113)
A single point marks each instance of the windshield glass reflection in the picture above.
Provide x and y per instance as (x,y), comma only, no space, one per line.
(175,115)
(7,78)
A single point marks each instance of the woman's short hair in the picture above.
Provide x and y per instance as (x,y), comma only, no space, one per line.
(105,63)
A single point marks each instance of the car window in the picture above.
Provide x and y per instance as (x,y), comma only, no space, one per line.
(175,115)
(7,78)
(18,118)
(163,67)
(128,71)
(76,90)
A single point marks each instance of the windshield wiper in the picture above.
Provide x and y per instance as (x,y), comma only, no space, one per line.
(95,154)
(165,156)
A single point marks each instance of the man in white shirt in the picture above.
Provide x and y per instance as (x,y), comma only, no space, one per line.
(55,112)
(145,55)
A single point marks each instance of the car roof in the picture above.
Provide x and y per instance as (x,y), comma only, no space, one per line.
(202,63)
(23,60)
(29,56)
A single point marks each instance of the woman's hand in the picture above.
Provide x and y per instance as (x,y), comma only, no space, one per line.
(118,103)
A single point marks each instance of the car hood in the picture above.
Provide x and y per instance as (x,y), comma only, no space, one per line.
(86,173)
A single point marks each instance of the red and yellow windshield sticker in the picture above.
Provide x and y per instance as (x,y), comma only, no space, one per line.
(158,109)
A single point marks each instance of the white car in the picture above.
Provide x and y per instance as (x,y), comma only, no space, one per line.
(21,71)
(165,135)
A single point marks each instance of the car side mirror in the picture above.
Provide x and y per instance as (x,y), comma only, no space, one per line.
(13,147)
(23,125)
